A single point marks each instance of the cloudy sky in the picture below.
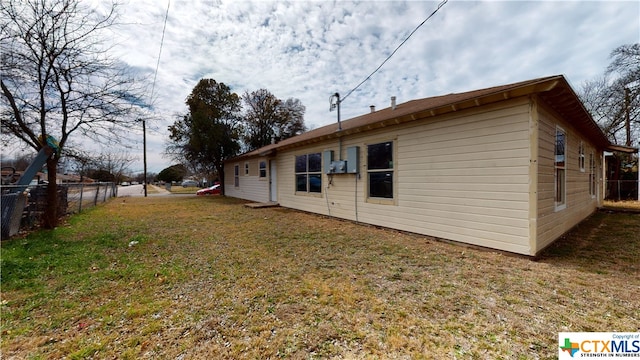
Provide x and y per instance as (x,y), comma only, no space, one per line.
(311,49)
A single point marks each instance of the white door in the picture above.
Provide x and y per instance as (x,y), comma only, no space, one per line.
(273,183)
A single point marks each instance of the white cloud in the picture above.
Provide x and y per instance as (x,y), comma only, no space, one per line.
(311,49)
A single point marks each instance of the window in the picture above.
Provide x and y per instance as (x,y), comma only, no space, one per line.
(309,173)
(592,176)
(263,169)
(560,169)
(581,156)
(246,168)
(236,175)
(380,170)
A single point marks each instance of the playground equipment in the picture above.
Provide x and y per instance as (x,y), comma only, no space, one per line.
(14,198)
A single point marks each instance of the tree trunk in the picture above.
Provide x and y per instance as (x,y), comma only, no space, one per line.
(627,119)
(220,170)
(50,216)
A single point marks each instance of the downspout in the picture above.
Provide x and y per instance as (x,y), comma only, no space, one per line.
(602,179)
(326,193)
(356,197)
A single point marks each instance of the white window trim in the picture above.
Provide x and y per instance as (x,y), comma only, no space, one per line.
(394,169)
(593,175)
(563,205)
(260,169)
(308,173)
(581,157)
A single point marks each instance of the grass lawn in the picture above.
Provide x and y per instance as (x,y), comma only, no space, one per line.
(177,189)
(205,277)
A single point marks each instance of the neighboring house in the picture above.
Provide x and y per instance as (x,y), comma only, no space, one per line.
(510,167)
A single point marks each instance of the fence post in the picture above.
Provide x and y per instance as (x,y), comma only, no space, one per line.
(81,194)
(618,190)
(95,200)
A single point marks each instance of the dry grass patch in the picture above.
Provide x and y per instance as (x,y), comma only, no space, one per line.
(624,205)
(177,189)
(210,278)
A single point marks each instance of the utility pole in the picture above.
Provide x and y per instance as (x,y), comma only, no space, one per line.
(144,155)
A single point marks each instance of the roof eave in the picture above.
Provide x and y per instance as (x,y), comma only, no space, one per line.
(546,85)
(621,148)
(554,90)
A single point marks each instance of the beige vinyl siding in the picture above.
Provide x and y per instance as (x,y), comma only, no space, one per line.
(580,204)
(465,159)
(252,187)
(463,177)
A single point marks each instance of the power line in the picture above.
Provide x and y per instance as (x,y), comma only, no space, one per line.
(153,87)
(394,51)
(164,28)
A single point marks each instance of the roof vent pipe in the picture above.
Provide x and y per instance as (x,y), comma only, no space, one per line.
(373,108)
(393,103)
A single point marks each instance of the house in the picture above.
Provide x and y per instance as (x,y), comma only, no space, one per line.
(511,167)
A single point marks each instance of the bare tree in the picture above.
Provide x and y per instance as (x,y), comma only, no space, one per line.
(626,67)
(614,98)
(58,81)
(268,118)
(20,163)
(292,119)
(79,161)
(115,165)
(614,102)
(605,103)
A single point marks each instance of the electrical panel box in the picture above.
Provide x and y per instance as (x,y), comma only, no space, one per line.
(338,167)
(327,157)
(353,159)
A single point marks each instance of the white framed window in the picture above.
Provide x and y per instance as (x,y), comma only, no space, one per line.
(263,169)
(581,156)
(380,170)
(246,169)
(308,172)
(593,180)
(560,165)
(236,176)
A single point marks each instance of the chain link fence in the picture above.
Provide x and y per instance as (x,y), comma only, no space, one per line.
(84,196)
(618,190)
(24,209)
